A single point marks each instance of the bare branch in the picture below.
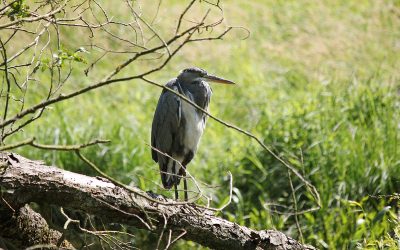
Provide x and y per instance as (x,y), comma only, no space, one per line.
(108,80)
(182,15)
(68,147)
(17,144)
(31,142)
(33,19)
(4,54)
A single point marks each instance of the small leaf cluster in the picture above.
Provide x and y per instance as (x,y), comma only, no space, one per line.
(61,57)
(18,9)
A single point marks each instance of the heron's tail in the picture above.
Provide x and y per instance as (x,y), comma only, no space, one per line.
(170,174)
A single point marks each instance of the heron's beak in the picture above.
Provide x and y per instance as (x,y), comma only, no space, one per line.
(217,79)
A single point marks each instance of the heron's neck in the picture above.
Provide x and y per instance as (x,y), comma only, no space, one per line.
(199,92)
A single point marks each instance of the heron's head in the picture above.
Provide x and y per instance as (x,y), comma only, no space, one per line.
(193,75)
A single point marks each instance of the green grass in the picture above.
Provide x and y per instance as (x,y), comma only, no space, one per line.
(318,81)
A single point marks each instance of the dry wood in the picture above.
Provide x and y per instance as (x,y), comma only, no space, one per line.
(23,180)
(25,228)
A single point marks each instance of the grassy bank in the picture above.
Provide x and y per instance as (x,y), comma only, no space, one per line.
(318,81)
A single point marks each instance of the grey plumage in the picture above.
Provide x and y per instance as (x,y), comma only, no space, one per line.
(177,125)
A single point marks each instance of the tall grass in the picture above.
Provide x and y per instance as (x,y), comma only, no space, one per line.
(317,80)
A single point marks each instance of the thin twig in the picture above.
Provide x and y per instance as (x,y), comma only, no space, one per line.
(182,15)
(17,144)
(295,207)
(162,231)
(230,193)
(68,147)
(4,54)
(33,19)
(120,184)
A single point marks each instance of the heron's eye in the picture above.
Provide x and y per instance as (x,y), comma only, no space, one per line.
(197,81)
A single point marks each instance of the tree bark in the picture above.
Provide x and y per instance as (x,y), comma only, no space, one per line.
(23,181)
(24,227)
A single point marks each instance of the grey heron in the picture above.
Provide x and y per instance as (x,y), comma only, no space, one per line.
(177,125)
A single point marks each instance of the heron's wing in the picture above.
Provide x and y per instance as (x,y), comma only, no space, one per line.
(166,121)
(165,132)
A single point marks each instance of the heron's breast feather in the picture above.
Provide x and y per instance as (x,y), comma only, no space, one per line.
(194,126)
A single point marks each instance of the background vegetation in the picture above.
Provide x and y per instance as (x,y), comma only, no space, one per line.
(318,81)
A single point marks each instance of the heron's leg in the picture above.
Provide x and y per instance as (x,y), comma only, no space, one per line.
(188,158)
(176,191)
(185,183)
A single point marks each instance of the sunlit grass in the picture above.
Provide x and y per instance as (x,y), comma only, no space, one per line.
(317,80)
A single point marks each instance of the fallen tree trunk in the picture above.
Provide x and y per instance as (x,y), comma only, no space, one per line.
(24,228)
(23,181)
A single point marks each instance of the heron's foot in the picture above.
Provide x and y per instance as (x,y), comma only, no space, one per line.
(155,196)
